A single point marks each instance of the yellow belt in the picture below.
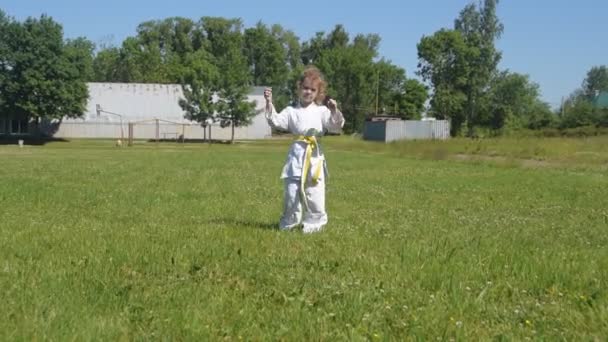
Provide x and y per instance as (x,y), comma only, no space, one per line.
(311,144)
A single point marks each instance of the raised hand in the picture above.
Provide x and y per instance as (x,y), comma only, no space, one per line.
(268,95)
(332,105)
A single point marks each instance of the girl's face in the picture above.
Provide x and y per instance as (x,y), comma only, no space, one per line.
(308,92)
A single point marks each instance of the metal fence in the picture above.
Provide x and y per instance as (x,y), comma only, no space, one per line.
(151,130)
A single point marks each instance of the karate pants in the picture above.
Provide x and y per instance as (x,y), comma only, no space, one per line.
(294,210)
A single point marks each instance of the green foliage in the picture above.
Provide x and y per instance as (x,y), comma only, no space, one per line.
(351,73)
(216,81)
(166,51)
(596,81)
(579,111)
(266,56)
(397,95)
(224,40)
(5,52)
(461,63)
(42,76)
(443,63)
(416,95)
(79,53)
(515,101)
(106,65)
(198,88)
(581,108)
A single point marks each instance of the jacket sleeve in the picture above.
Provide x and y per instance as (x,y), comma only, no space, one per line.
(279,121)
(333,122)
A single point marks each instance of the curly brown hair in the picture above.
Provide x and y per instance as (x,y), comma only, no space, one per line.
(315,76)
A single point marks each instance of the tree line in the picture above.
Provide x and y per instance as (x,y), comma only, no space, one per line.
(43,75)
(461,65)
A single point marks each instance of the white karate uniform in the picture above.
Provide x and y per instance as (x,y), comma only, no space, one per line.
(298,120)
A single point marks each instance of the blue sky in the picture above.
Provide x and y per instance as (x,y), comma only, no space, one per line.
(555,42)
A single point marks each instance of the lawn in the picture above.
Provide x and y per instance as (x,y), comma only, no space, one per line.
(465,239)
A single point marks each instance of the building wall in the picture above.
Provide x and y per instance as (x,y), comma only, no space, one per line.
(143,104)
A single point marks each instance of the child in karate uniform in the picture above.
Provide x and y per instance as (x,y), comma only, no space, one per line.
(305,172)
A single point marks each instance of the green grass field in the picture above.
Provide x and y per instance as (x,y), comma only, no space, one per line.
(465,240)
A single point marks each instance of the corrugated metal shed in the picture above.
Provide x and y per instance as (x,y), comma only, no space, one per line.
(137,102)
(392,130)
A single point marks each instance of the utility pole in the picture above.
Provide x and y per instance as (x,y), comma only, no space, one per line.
(377,89)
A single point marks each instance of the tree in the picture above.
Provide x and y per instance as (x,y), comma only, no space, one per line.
(578,112)
(480,28)
(43,76)
(224,41)
(579,109)
(106,65)
(157,54)
(5,54)
(596,81)
(291,44)
(169,42)
(515,100)
(79,53)
(197,87)
(267,60)
(443,62)
(265,55)
(389,85)
(461,63)
(412,99)
(396,94)
(348,66)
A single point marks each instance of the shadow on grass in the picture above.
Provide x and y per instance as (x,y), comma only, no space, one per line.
(245,224)
(31,141)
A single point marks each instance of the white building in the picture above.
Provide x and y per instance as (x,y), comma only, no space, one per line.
(154,111)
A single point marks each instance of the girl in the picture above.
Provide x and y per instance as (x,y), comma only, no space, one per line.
(305,170)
